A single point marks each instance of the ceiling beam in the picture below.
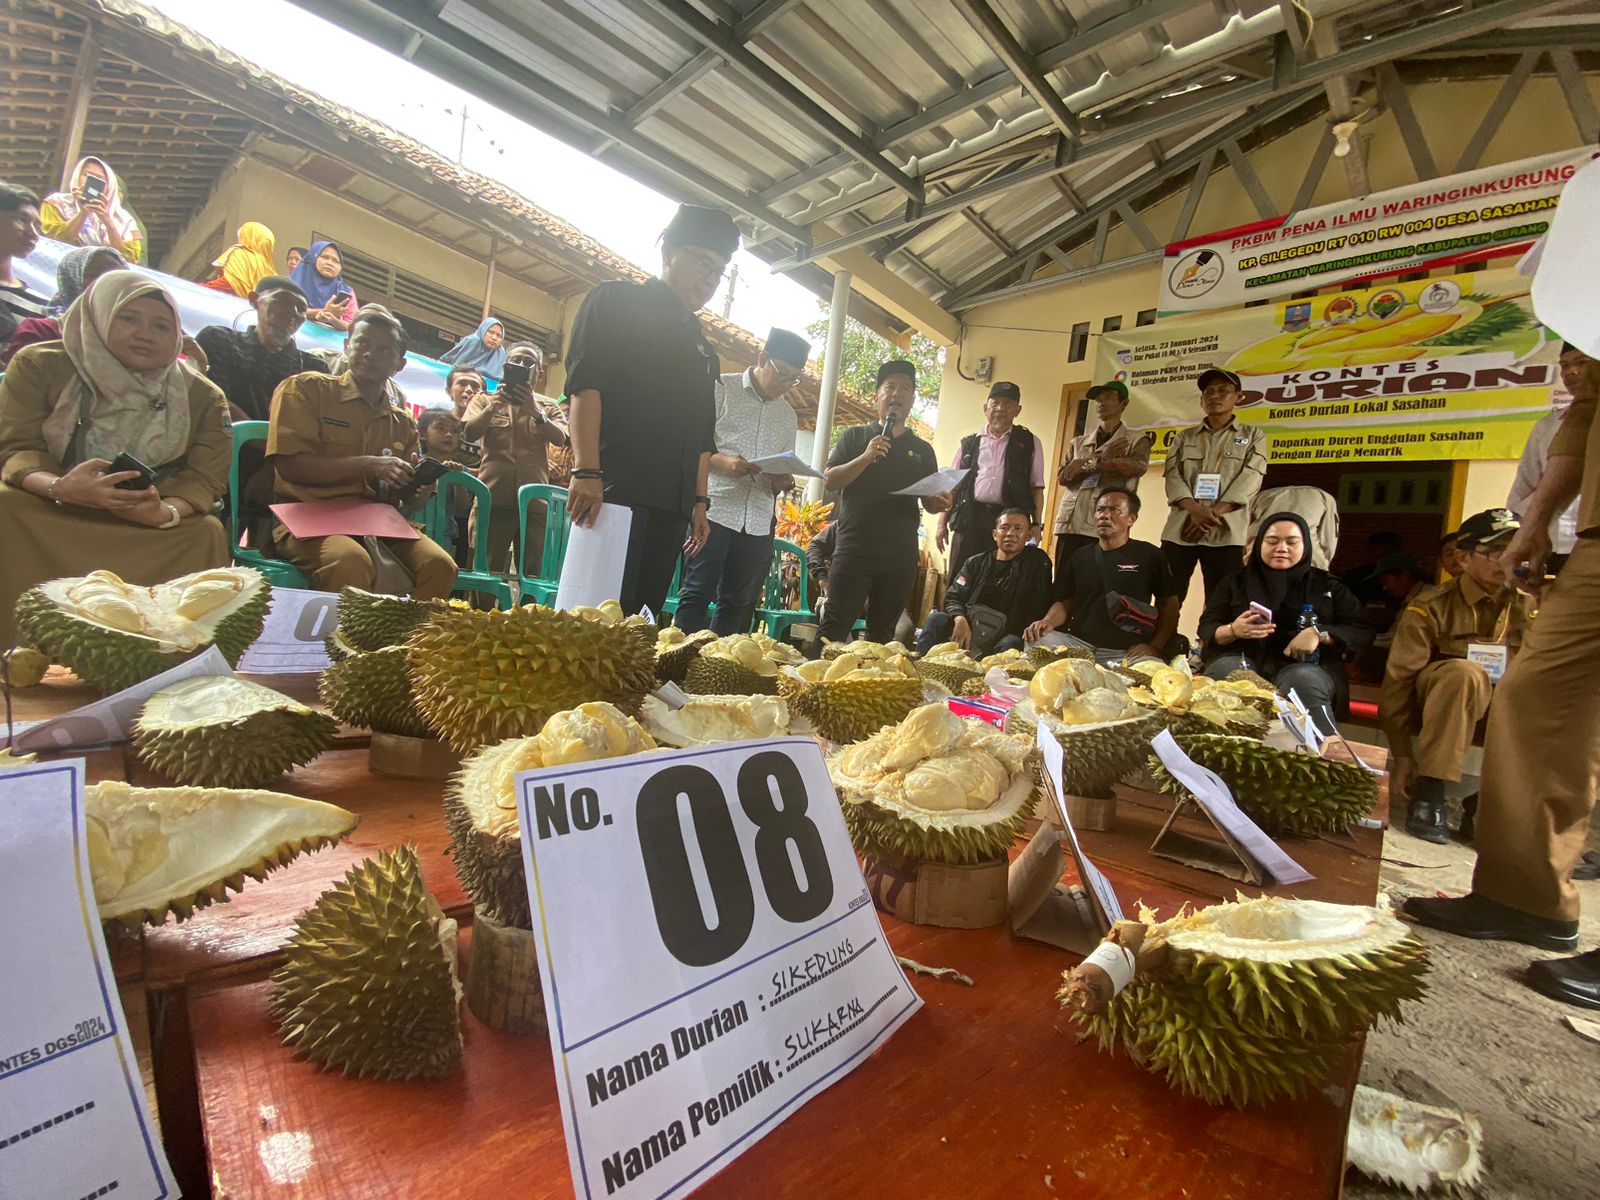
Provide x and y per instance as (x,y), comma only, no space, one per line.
(1393,90)
(1576,90)
(1499,108)
(1017,60)
(1253,187)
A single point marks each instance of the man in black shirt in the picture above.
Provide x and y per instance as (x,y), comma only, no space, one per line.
(1011,577)
(875,556)
(1115,566)
(19,235)
(249,366)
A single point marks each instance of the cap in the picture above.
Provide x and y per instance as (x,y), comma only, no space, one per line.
(1115,385)
(1394,563)
(1488,526)
(897,366)
(694,225)
(278,283)
(1009,391)
(1214,373)
(787,347)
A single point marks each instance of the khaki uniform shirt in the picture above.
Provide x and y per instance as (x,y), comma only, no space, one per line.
(1579,437)
(1237,452)
(325,415)
(1320,510)
(513,446)
(1075,509)
(1439,624)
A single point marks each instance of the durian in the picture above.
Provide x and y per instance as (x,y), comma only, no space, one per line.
(114,634)
(936,788)
(1283,791)
(711,720)
(1198,704)
(862,648)
(370,621)
(740,664)
(1103,734)
(154,851)
(10,759)
(219,731)
(480,810)
(338,649)
(482,677)
(373,691)
(1413,1146)
(1042,656)
(610,613)
(676,651)
(1258,1000)
(852,697)
(25,667)
(951,666)
(368,981)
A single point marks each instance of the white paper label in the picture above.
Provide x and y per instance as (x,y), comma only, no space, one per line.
(596,557)
(1207,486)
(709,955)
(1493,659)
(292,640)
(1054,762)
(73,1115)
(1115,961)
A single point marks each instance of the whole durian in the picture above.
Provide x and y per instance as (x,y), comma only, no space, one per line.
(1257,1001)
(741,664)
(950,666)
(154,851)
(851,697)
(370,621)
(114,634)
(1103,734)
(676,651)
(482,677)
(368,981)
(1283,791)
(219,731)
(373,691)
(1040,657)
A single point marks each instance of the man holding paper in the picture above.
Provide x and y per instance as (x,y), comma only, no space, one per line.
(754,421)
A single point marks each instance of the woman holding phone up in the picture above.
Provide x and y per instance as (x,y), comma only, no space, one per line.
(330,300)
(92,213)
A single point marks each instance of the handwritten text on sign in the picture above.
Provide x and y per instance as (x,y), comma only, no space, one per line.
(709,955)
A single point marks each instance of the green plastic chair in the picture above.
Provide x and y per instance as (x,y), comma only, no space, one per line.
(771,609)
(440,526)
(542,587)
(670,604)
(277,572)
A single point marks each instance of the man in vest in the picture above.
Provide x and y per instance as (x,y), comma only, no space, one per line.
(1108,456)
(1008,472)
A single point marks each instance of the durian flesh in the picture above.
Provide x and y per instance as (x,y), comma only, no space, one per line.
(709,720)
(739,664)
(219,731)
(1414,1146)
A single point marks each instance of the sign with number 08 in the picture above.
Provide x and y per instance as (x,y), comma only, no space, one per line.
(709,954)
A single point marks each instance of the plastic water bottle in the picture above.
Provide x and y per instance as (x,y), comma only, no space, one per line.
(1308,620)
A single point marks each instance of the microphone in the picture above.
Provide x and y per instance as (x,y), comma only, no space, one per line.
(888,423)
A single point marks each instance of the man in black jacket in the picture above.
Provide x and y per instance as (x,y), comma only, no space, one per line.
(1007,471)
(1011,577)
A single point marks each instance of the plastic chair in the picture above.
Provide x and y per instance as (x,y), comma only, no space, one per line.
(440,526)
(543,586)
(670,604)
(277,572)
(771,609)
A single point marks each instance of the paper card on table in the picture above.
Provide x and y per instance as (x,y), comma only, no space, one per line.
(293,639)
(1243,834)
(592,572)
(74,1120)
(788,463)
(743,967)
(1296,725)
(351,516)
(1308,726)
(1099,886)
(936,484)
(110,720)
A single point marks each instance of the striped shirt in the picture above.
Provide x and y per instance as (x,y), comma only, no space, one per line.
(19,302)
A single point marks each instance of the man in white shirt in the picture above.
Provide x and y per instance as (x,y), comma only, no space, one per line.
(1564,528)
(753,421)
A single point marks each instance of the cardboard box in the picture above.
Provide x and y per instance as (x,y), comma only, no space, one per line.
(924,893)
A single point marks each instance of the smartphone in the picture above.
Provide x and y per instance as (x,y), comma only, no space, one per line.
(339,298)
(127,462)
(518,373)
(427,471)
(1261,610)
(93,187)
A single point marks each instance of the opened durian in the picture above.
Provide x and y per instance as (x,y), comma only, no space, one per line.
(10,760)
(373,691)
(154,851)
(710,720)
(676,650)
(1042,656)
(480,810)
(24,667)
(1283,791)
(370,621)
(338,649)
(1198,704)
(610,613)
(219,731)
(114,634)
(741,664)
(368,981)
(1103,734)
(1413,1146)
(852,696)
(482,677)
(936,788)
(950,666)
(862,649)
(1258,1000)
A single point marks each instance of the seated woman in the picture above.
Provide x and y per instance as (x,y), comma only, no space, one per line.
(78,268)
(330,300)
(245,263)
(93,212)
(1279,577)
(483,351)
(113,384)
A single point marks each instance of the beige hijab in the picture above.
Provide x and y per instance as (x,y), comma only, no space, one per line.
(145,413)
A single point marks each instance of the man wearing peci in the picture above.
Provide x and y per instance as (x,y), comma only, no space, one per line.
(1006,462)
(1108,456)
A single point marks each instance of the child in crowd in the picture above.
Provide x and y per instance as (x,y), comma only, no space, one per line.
(439,431)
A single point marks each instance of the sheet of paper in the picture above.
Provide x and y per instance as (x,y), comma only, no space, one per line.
(672,695)
(1568,265)
(936,484)
(1094,879)
(108,721)
(73,1116)
(591,574)
(1206,787)
(349,515)
(1308,726)
(788,463)
(709,955)
(292,640)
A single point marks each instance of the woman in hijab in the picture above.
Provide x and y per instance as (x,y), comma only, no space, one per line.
(114,384)
(330,300)
(1253,619)
(483,351)
(245,263)
(78,268)
(293,259)
(92,213)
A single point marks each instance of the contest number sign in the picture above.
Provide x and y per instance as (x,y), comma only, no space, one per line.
(709,954)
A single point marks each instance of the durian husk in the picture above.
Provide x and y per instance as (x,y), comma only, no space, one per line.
(25,667)
(1286,792)
(160,851)
(219,731)
(953,672)
(714,675)
(370,621)
(850,709)
(373,691)
(368,983)
(1096,755)
(1042,656)
(1258,1001)
(675,654)
(338,649)
(1413,1146)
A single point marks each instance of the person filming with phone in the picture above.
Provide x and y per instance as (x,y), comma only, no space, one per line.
(92,213)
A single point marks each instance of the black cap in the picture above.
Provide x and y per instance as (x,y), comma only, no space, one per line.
(897,366)
(694,225)
(787,347)
(1214,373)
(1491,525)
(278,283)
(1009,391)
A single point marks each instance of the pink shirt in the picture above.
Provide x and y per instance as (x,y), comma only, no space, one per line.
(992,465)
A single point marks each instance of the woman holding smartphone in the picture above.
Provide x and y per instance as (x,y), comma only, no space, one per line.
(330,300)
(92,213)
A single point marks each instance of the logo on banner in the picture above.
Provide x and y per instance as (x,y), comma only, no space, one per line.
(1195,273)
(1439,297)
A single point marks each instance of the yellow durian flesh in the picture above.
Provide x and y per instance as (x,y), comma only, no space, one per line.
(709,720)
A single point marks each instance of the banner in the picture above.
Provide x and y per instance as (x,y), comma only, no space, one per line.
(1455,367)
(1442,222)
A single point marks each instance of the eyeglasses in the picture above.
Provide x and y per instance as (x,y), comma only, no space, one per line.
(706,266)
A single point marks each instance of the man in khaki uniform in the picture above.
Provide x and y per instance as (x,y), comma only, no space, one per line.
(1542,754)
(1214,470)
(1108,456)
(1433,694)
(335,436)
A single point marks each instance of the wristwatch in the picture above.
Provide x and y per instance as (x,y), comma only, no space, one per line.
(706,500)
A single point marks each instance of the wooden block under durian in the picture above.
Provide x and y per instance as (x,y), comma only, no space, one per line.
(503,988)
(411,758)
